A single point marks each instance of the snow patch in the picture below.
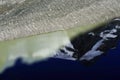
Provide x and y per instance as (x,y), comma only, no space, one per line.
(108,34)
(93,52)
(117,27)
(67,55)
(90,55)
(63,56)
(117,19)
(91,33)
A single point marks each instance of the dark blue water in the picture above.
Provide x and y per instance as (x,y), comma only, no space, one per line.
(106,68)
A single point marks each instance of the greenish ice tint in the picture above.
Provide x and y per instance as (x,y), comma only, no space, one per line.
(36,48)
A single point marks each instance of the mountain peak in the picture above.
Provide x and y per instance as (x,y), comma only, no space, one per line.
(88,46)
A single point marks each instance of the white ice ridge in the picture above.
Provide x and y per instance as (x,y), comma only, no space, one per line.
(108,34)
(117,27)
(91,33)
(94,52)
(67,55)
(117,19)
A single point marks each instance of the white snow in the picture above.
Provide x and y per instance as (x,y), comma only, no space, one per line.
(67,55)
(93,52)
(108,34)
(118,19)
(68,52)
(63,56)
(70,45)
(113,31)
(91,33)
(117,27)
(97,45)
(90,55)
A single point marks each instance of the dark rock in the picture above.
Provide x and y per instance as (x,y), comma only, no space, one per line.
(89,46)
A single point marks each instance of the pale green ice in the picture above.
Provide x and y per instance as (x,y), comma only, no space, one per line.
(36,48)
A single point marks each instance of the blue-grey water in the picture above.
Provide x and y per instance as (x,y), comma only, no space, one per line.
(107,67)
